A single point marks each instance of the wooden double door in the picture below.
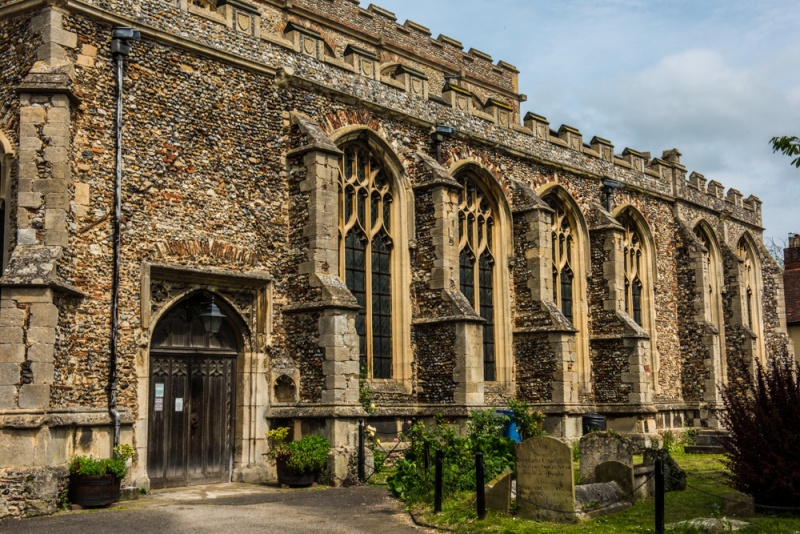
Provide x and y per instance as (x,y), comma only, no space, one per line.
(191,418)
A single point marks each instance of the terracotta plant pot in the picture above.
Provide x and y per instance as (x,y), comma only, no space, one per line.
(93,490)
(287,477)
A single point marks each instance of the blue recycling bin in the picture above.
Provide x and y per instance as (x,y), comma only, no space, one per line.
(510,426)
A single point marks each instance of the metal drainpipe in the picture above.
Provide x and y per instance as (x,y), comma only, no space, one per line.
(120,48)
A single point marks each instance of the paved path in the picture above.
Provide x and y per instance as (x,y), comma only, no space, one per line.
(236,508)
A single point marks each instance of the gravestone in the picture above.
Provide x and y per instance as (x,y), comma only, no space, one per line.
(498,492)
(674,475)
(599,447)
(545,484)
(613,471)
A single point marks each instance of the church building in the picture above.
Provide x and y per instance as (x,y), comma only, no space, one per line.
(224,216)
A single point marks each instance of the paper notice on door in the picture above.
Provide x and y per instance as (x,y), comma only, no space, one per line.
(179,404)
(159,404)
(159,390)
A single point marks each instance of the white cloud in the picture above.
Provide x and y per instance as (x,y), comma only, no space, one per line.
(716,79)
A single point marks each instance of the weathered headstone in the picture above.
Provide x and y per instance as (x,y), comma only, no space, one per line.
(599,447)
(674,475)
(614,471)
(545,484)
(498,493)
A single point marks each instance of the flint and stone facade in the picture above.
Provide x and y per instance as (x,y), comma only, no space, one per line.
(366,208)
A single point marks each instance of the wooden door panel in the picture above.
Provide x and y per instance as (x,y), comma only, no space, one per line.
(192,446)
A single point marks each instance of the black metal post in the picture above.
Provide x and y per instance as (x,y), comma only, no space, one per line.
(437,482)
(479,485)
(659,496)
(361,455)
(427,458)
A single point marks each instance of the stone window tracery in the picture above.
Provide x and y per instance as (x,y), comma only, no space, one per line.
(569,256)
(366,243)
(563,254)
(711,281)
(750,291)
(477,262)
(710,276)
(747,271)
(634,270)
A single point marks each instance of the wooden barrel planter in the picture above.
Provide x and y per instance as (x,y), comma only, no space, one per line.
(287,477)
(93,490)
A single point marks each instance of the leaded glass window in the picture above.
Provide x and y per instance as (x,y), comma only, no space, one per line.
(711,270)
(365,200)
(703,238)
(632,249)
(749,282)
(563,254)
(476,262)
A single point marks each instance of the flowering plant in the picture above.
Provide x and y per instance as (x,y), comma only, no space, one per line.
(278,448)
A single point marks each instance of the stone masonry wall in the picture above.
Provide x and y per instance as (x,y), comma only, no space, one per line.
(435,360)
(535,364)
(302,347)
(203,186)
(18,45)
(32,491)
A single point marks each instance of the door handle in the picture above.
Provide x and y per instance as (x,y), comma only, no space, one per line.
(194,420)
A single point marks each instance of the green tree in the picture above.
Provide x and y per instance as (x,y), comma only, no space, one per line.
(789,146)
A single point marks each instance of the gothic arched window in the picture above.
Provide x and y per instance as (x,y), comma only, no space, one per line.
(747,281)
(476,262)
(750,292)
(634,270)
(569,254)
(712,285)
(563,259)
(366,197)
(709,277)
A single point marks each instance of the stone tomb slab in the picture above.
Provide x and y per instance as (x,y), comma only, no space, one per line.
(498,492)
(545,485)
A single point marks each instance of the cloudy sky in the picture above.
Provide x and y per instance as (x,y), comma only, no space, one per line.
(716,79)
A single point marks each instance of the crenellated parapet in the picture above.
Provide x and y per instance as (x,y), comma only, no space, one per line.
(665,174)
(434,75)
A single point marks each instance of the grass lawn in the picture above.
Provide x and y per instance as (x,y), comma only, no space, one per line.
(705,473)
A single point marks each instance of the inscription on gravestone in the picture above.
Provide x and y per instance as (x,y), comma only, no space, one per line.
(545,486)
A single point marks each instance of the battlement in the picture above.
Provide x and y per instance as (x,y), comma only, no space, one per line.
(370,43)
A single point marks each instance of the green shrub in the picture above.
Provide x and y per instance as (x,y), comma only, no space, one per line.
(763,420)
(690,436)
(529,422)
(412,482)
(308,455)
(670,441)
(117,465)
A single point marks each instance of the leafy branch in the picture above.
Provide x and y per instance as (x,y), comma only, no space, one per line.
(788,145)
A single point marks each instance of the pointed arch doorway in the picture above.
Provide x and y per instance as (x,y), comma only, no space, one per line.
(192,394)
